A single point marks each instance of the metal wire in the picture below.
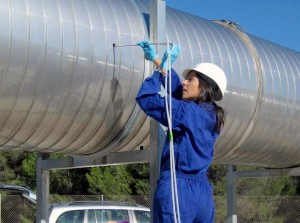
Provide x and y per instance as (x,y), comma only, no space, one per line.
(114,45)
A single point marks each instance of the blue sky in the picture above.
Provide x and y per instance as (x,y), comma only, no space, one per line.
(275,20)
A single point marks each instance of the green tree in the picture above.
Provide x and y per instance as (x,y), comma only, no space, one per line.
(68,181)
(18,167)
(267,186)
(71,181)
(217,176)
(28,170)
(297,179)
(109,180)
(61,181)
(7,175)
(141,175)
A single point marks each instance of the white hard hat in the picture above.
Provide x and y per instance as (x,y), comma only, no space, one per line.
(213,74)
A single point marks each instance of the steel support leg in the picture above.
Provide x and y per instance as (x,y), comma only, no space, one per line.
(231,195)
(157,135)
(42,179)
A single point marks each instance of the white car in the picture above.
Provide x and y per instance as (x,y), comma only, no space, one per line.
(87,211)
(99,212)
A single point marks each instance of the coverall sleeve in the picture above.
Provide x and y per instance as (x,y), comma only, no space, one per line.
(176,84)
(150,100)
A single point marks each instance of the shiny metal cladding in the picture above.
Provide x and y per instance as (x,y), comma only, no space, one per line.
(65,88)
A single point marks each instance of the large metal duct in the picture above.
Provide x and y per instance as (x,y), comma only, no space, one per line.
(64,88)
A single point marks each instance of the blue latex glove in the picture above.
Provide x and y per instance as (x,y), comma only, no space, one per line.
(149,50)
(174,52)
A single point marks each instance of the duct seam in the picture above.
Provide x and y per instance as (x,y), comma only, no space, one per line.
(245,38)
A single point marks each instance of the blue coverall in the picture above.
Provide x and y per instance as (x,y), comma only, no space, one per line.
(194,138)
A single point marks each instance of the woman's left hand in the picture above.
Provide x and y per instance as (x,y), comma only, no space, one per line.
(174,53)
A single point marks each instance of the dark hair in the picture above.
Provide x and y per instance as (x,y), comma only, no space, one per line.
(206,95)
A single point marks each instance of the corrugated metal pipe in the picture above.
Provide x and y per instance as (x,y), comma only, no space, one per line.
(64,88)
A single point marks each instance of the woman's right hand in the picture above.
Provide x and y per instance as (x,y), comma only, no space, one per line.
(149,50)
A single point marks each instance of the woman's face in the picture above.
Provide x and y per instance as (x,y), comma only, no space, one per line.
(191,87)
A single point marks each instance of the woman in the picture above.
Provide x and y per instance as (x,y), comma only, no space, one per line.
(197,122)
